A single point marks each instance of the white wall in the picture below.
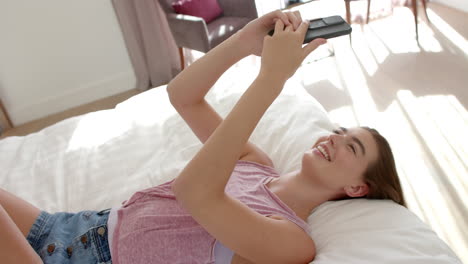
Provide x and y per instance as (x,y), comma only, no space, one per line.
(458,4)
(58,54)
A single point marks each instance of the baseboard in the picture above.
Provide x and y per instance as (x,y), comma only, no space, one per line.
(90,92)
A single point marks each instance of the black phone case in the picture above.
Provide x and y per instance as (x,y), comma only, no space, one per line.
(327,27)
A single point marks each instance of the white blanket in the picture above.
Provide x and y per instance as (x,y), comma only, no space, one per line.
(98,160)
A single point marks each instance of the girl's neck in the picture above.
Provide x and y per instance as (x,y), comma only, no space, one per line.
(301,199)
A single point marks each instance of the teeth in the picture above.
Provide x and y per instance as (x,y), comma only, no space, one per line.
(322,150)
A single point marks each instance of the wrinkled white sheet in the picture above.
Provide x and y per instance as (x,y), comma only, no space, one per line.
(98,160)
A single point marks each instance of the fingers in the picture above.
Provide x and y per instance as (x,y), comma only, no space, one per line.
(288,18)
(278,14)
(295,19)
(303,27)
(299,17)
(279,26)
(314,44)
(291,21)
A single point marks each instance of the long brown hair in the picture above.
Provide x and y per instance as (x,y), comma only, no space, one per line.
(382,176)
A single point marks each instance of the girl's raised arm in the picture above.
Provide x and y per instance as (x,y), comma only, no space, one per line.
(187,91)
(200,186)
(192,84)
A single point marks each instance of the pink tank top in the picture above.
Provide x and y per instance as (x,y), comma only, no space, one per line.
(153,228)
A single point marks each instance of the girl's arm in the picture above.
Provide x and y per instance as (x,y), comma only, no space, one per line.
(187,96)
(200,186)
(192,84)
(187,91)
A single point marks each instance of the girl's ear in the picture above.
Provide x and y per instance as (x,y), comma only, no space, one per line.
(357,190)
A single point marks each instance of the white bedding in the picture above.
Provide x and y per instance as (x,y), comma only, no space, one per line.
(98,160)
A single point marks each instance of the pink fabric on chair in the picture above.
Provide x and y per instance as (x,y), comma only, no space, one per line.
(206,9)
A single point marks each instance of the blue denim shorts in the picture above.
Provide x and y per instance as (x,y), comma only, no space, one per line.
(71,237)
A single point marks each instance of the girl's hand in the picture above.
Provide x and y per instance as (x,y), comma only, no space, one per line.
(283,52)
(252,35)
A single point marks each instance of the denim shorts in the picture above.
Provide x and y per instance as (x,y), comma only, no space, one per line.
(71,237)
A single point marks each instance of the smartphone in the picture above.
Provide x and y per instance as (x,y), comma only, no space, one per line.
(326,27)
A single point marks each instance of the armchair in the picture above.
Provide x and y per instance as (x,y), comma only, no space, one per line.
(194,33)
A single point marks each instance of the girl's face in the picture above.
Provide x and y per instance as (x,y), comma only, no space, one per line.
(338,161)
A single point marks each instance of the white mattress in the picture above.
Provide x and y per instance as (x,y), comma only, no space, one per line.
(98,160)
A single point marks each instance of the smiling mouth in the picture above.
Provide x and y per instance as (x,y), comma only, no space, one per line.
(324,153)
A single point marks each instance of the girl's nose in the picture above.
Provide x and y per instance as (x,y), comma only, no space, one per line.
(332,139)
(335,138)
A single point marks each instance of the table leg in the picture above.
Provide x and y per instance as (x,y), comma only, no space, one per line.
(368,11)
(348,12)
(415,12)
(425,10)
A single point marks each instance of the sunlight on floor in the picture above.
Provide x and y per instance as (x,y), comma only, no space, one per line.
(451,34)
(364,52)
(376,46)
(427,40)
(429,194)
(425,114)
(364,106)
(396,34)
(397,31)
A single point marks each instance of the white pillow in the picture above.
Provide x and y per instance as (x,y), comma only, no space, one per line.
(374,231)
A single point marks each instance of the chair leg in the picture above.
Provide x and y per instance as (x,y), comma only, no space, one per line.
(348,16)
(415,12)
(348,12)
(182,61)
(368,11)
(425,10)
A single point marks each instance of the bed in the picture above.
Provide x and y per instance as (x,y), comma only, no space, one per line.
(97,160)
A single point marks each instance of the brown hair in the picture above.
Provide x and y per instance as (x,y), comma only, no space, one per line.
(382,175)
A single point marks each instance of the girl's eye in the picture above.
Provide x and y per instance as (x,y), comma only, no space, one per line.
(336,131)
(353,148)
